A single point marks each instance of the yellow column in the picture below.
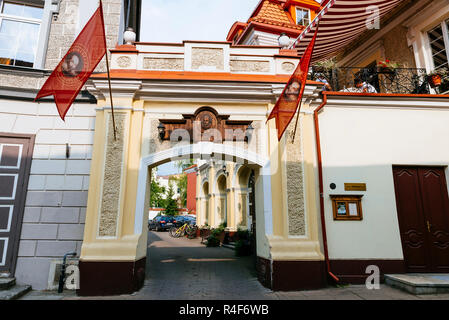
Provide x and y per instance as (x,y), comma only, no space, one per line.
(110,242)
(231,211)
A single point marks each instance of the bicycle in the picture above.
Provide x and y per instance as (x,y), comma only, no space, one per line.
(185,229)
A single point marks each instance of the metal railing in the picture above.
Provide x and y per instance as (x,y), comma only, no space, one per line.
(396,81)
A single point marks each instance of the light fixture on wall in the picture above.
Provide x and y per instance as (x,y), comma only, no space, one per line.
(161,130)
(249,133)
(226,173)
(284,40)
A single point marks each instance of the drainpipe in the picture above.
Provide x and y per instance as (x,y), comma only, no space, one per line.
(320,175)
(62,275)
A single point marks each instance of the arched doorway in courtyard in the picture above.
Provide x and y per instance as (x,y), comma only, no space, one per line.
(223,198)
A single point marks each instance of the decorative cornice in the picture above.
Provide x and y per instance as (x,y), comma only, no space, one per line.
(154,90)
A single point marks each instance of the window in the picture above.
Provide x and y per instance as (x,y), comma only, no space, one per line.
(302,17)
(347,207)
(19,33)
(439,47)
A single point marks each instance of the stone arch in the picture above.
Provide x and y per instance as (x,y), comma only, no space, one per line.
(242,174)
(202,150)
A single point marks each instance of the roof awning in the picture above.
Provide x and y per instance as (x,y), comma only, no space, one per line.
(340,23)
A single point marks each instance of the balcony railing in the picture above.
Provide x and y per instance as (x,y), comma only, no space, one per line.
(396,81)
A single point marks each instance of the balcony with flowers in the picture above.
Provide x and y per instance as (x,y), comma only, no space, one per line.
(386,76)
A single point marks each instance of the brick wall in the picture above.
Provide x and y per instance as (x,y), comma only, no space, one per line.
(55,208)
(191,192)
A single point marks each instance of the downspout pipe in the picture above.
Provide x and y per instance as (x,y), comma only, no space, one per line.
(321,187)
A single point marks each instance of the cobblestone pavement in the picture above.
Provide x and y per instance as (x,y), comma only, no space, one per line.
(184,269)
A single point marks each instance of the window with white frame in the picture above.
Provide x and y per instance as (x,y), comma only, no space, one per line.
(19,32)
(439,48)
(302,17)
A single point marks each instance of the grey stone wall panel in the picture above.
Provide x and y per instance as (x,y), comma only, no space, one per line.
(54,248)
(44,199)
(71,232)
(39,231)
(74,199)
(60,215)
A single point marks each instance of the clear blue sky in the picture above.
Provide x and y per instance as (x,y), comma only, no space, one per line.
(167,169)
(178,20)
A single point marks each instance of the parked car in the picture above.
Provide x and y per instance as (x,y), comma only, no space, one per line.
(161,223)
(180,220)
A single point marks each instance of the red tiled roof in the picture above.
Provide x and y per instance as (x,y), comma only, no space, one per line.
(273,13)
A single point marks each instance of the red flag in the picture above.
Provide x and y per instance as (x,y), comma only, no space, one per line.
(68,78)
(287,104)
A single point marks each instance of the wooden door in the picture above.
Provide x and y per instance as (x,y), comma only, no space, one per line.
(15,163)
(423,210)
(436,209)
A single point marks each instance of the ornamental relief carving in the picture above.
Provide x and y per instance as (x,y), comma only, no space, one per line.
(163,63)
(250,66)
(207,57)
(124,62)
(288,66)
(209,124)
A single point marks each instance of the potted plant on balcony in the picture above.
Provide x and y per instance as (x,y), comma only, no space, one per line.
(436,77)
(388,67)
(324,65)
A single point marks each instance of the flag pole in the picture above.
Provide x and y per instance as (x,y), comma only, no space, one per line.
(297,119)
(300,102)
(110,95)
(109,76)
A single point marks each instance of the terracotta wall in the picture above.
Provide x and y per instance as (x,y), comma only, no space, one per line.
(191,192)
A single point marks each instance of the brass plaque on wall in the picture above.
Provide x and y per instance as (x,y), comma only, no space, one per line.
(355,186)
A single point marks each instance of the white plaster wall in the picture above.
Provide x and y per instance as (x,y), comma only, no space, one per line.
(55,208)
(359,145)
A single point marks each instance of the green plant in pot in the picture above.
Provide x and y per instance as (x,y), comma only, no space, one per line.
(324,65)
(243,244)
(388,66)
(216,236)
(212,241)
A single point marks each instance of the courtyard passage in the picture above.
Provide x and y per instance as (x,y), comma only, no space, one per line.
(181,268)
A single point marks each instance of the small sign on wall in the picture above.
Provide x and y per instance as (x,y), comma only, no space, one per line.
(355,186)
(347,207)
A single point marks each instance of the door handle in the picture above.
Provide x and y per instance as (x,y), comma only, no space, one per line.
(428,226)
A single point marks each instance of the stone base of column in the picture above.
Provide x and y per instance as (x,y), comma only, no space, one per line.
(279,275)
(102,278)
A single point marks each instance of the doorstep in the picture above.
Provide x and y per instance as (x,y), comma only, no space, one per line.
(419,283)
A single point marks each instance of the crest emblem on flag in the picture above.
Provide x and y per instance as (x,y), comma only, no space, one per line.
(72,72)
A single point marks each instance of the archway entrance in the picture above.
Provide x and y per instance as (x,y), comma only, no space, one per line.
(149,128)
(228,179)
